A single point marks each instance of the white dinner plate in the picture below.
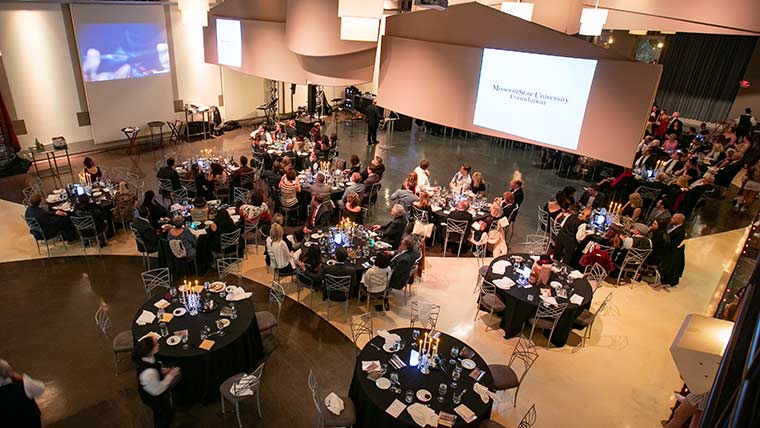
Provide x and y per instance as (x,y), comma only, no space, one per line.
(316,235)
(424,395)
(179,312)
(225,322)
(208,222)
(96,194)
(468,364)
(216,286)
(383,383)
(331,262)
(555,284)
(173,340)
(390,348)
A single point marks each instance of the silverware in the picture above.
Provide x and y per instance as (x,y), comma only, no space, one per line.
(375,346)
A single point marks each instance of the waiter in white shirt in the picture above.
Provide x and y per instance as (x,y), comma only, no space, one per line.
(154,382)
(423,176)
(18,407)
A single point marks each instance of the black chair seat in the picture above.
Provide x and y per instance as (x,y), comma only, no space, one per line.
(503,377)
(491,301)
(226,386)
(483,271)
(266,320)
(584,319)
(346,418)
(123,342)
(541,323)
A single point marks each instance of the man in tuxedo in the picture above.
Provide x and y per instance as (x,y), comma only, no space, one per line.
(403,263)
(169,173)
(675,163)
(372,179)
(320,215)
(645,160)
(660,213)
(517,191)
(372,113)
(675,126)
(592,198)
(340,268)
(567,242)
(51,224)
(394,230)
(147,233)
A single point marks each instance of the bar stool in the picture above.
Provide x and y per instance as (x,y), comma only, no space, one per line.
(131,134)
(159,125)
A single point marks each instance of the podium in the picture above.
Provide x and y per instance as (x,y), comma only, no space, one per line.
(698,349)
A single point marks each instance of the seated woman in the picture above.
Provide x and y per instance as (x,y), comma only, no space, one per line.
(289,189)
(356,166)
(202,186)
(123,204)
(423,203)
(277,249)
(553,208)
(257,210)
(156,210)
(633,207)
(310,263)
(478,184)
(353,209)
(199,211)
(182,243)
(375,279)
(222,224)
(91,170)
(220,180)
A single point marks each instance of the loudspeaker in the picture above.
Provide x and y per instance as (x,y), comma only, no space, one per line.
(83,118)
(311,99)
(292,89)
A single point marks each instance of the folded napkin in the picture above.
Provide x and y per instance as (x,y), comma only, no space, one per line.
(575,275)
(231,211)
(238,391)
(206,345)
(483,392)
(395,408)
(161,304)
(504,283)
(32,387)
(370,366)
(167,317)
(576,299)
(176,207)
(145,317)
(549,300)
(334,403)
(390,338)
(500,267)
(423,415)
(235,218)
(237,294)
(465,412)
(152,334)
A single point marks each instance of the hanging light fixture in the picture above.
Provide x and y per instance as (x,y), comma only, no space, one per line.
(360,19)
(592,20)
(519,9)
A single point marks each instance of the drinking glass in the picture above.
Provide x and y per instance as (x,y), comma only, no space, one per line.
(160,313)
(401,345)
(394,378)
(173,293)
(454,355)
(457,398)
(185,337)
(204,333)
(220,327)
(442,388)
(233,313)
(383,368)
(415,337)
(409,397)
(164,329)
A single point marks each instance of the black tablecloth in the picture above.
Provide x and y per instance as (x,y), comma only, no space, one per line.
(519,309)
(238,351)
(371,402)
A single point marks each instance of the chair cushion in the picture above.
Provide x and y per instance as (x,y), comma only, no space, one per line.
(266,320)
(492,301)
(503,377)
(226,386)
(483,271)
(541,323)
(585,318)
(346,418)
(490,424)
(123,342)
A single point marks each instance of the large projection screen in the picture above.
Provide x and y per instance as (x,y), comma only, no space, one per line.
(438,82)
(518,91)
(124,57)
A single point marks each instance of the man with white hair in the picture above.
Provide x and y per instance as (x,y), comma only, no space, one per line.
(17,394)
(394,230)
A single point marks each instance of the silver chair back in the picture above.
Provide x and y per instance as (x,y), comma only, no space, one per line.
(249,382)
(543,221)
(189,186)
(427,318)
(103,321)
(529,419)
(633,261)
(242,195)
(154,278)
(536,244)
(226,266)
(277,297)
(179,195)
(595,275)
(360,326)
(230,239)
(547,313)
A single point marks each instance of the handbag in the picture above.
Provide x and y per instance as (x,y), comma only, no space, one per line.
(422,229)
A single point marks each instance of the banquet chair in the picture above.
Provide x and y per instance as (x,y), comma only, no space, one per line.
(190,187)
(528,420)
(276,274)
(39,235)
(649,195)
(36,184)
(242,385)
(457,227)
(326,418)
(226,266)
(267,320)
(119,173)
(290,212)
(410,280)
(360,328)
(340,285)
(247,179)
(506,376)
(28,192)
(251,230)
(489,301)
(510,231)
(122,343)
(536,244)
(595,275)
(304,281)
(554,228)
(546,318)
(154,278)
(242,195)
(425,313)
(222,190)
(165,188)
(87,231)
(370,199)
(543,221)
(374,282)
(179,195)
(585,320)
(633,261)
(141,244)
(229,243)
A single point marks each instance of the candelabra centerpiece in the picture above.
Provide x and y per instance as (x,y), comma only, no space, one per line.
(428,352)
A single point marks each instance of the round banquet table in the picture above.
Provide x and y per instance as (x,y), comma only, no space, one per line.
(521,303)
(371,402)
(238,351)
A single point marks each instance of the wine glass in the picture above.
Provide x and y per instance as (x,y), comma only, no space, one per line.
(442,388)
(185,338)
(454,355)
(173,293)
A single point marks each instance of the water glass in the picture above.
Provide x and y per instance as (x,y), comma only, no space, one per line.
(401,345)
(220,327)
(415,337)
(457,398)
(383,368)
(164,329)
(454,355)
(173,293)
(185,338)
(160,313)
(233,313)
(394,378)
(409,397)
(442,388)
(204,333)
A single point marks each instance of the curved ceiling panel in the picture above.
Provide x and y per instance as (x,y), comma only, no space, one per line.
(262,10)
(313,29)
(340,70)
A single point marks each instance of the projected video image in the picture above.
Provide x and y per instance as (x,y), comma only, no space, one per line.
(122,51)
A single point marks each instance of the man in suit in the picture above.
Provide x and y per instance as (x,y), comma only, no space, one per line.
(672,265)
(508,205)
(567,239)
(675,163)
(645,160)
(51,224)
(320,215)
(319,188)
(355,186)
(394,230)
(592,198)
(235,179)
(169,173)
(660,213)
(145,230)
(373,121)
(461,214)
(517,191)
(675,126)
(403,263)
(726,173)
(340,268)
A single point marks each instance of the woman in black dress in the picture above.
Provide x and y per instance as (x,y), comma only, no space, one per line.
(91,170)
(156,210)
(353,209)
(222,224)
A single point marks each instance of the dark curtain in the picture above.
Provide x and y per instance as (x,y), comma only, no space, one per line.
(701,74)
(7,134)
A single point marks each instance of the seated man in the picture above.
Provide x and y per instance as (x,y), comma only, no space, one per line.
(394,230)
(51,224)
(319,188)
(592,198)
(462,214)
(355,186)
(320,214)
(235,179)
(169,173)
(340,268)
(147,233)
(403,263)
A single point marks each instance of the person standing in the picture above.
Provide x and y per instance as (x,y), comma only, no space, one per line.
(373,121)
(17,394)
(744,123)
(672,265)
(154,381)
(567,239)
